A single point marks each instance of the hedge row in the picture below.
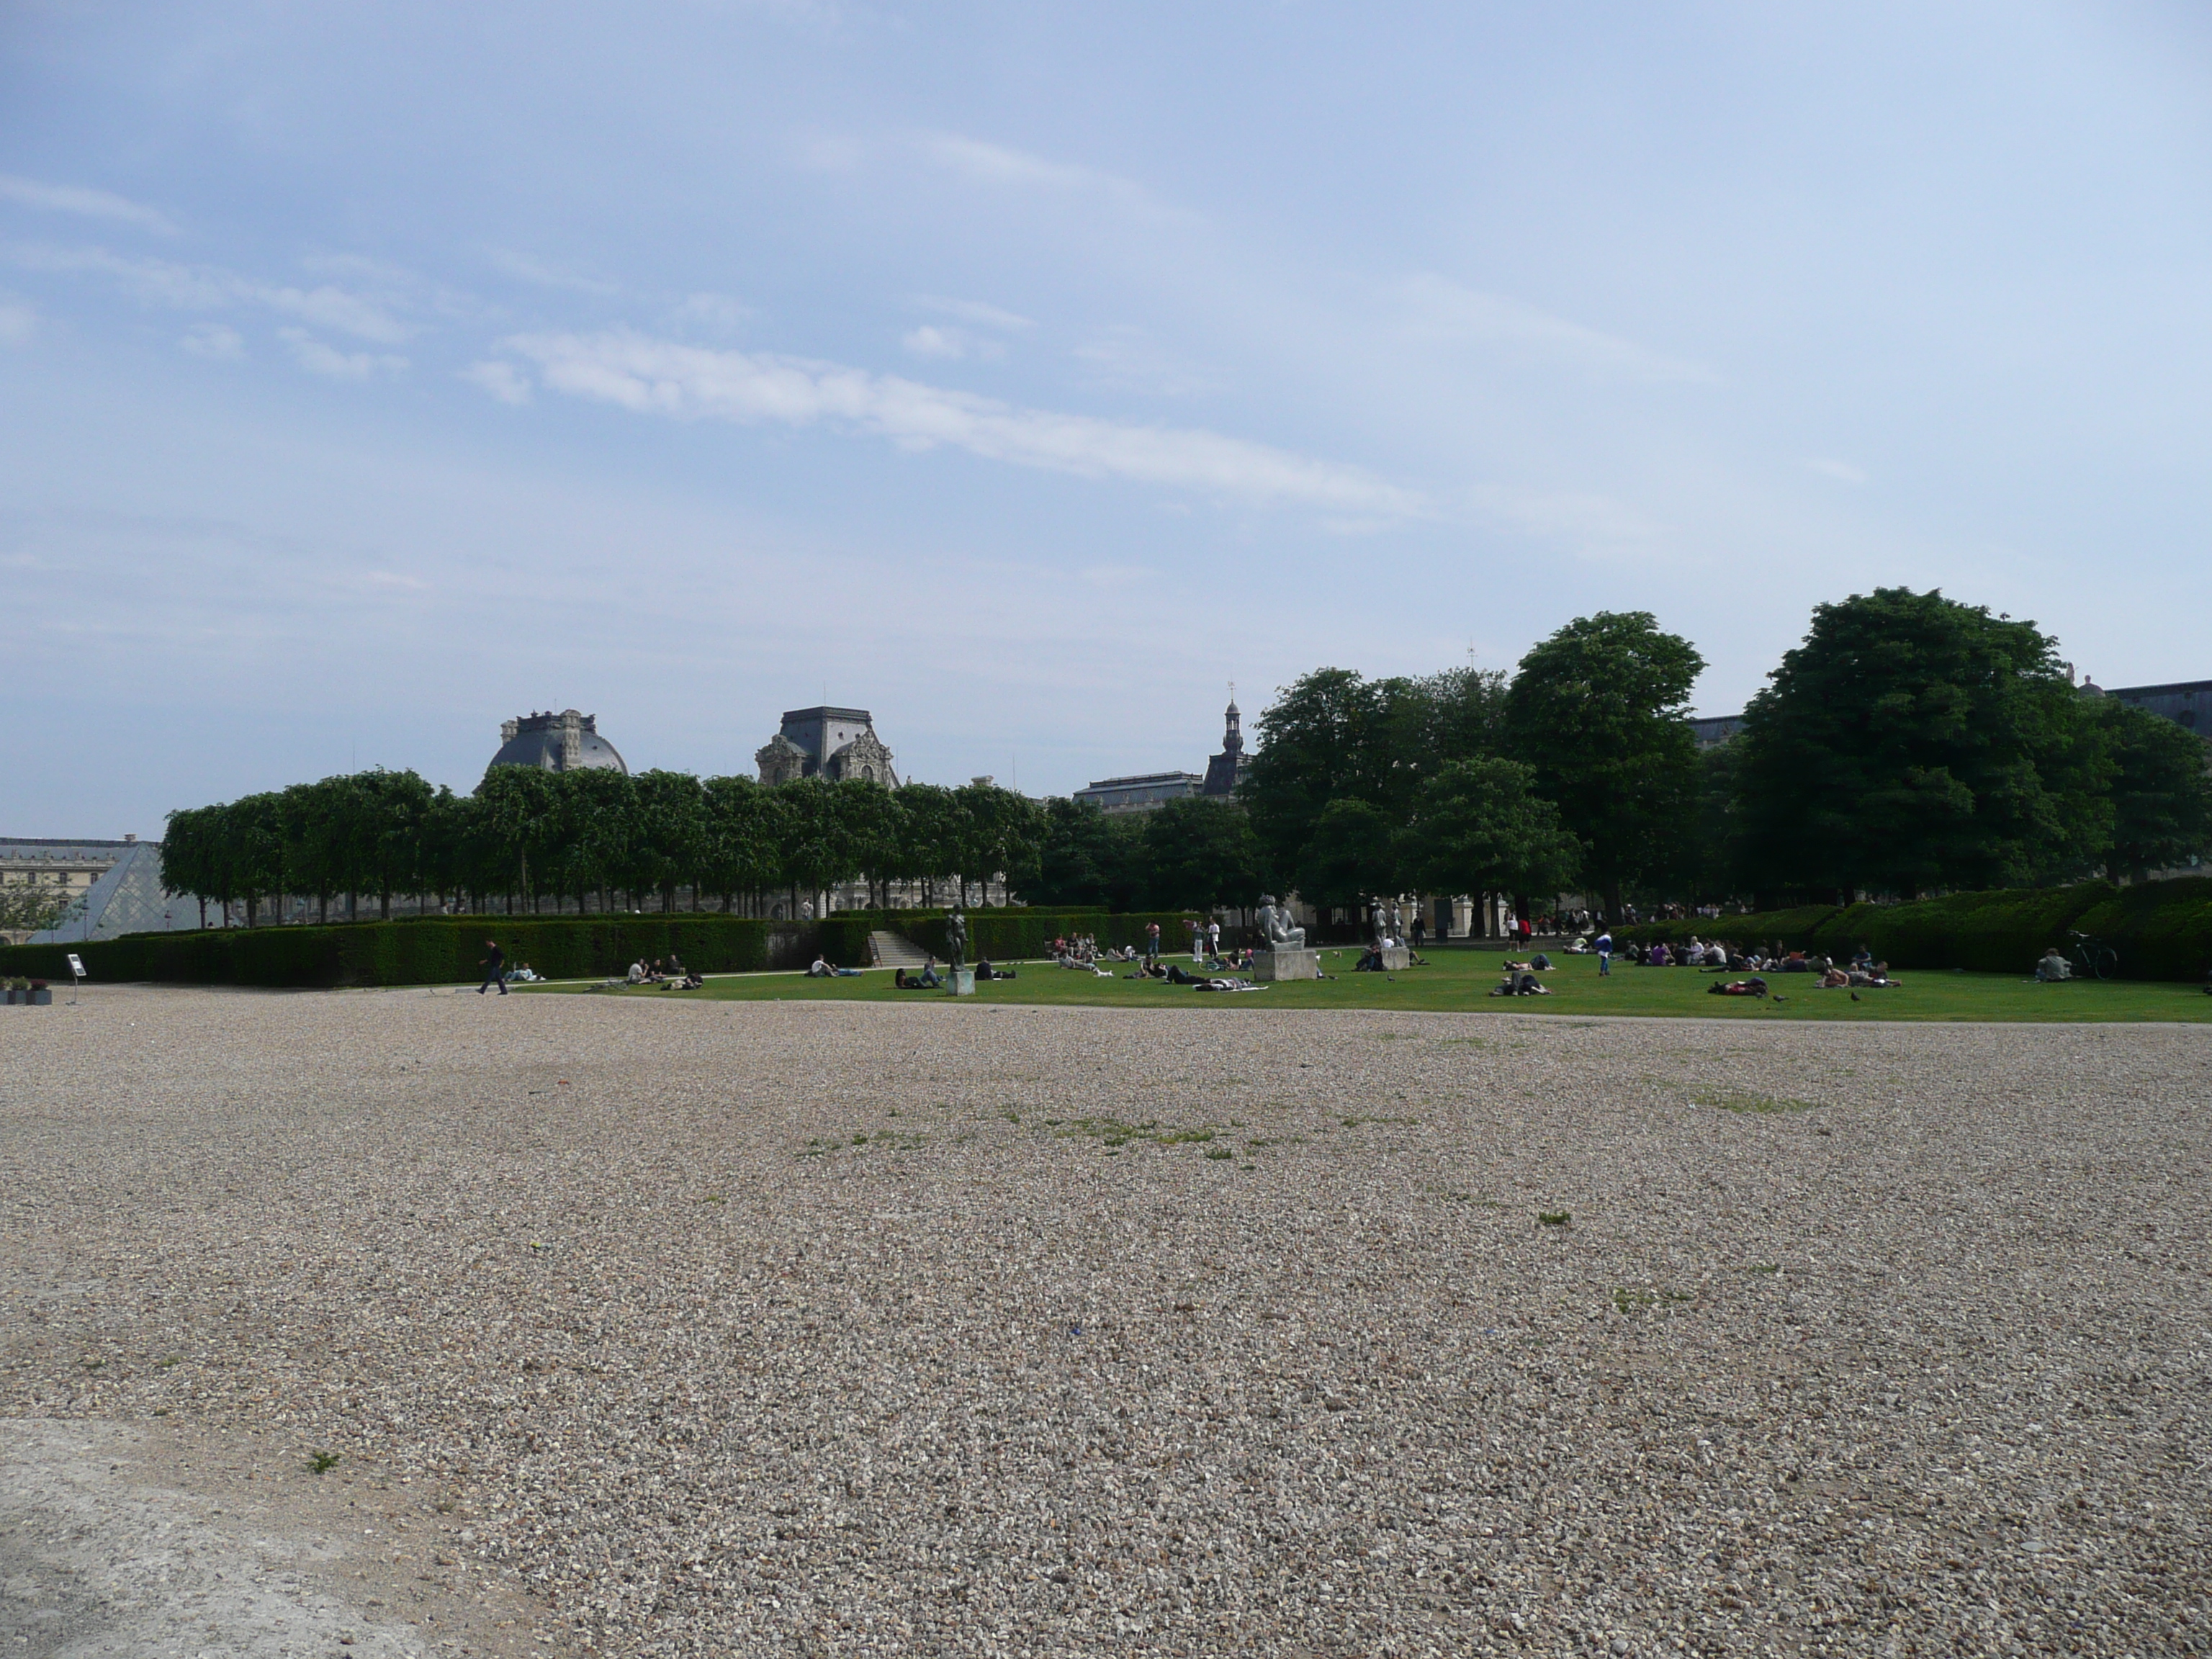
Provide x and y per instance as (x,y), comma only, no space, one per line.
(1008,935)
(438,951)
(2160,929)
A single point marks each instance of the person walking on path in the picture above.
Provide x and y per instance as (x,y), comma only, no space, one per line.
(1213,939)
(494,967)
(1151,941)
(1604,953)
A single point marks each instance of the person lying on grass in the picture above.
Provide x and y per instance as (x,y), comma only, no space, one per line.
(824,969)
(1754,986)
(1521,983)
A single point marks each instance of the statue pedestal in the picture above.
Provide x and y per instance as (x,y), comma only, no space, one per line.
(960,982)
(1395,956)
(1285,964)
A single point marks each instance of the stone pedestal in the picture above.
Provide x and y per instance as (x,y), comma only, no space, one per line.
(960,982)
(1270,965)
(1395,956)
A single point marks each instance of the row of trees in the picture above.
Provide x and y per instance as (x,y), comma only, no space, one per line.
(527,838)
(1912,743)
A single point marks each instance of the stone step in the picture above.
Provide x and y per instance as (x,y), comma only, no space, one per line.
(895,951)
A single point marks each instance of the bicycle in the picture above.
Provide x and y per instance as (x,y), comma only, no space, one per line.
(2092,959)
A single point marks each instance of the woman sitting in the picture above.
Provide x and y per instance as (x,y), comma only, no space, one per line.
(1660,956)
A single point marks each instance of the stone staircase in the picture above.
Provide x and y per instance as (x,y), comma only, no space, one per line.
(895,951)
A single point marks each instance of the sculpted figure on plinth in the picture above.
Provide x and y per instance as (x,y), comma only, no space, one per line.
(1276,927)
(956,940)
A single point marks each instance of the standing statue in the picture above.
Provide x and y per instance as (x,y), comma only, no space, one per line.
(956,940)
(1379,920)
(1276,927)
(1398,920)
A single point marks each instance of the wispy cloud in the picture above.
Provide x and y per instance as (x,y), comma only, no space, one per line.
(318,358)
(720,311)
(209,288)
(503,380)
(974,310)
(648,375)
(1440,309)
(543,274)
(18,322)
(1128,358)
(997,165)
(84,201)
(215,341)
(934,340)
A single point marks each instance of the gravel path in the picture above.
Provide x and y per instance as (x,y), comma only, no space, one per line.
(926,1328)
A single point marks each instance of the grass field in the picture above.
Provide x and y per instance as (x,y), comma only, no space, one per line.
(1460,981)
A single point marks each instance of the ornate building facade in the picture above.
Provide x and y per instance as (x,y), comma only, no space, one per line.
(566,742)
(828,742)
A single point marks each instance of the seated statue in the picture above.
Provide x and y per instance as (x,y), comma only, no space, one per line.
(1277,928)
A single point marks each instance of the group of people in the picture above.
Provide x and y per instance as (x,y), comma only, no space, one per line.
(671,975)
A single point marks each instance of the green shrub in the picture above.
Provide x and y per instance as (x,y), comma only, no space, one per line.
(2160,929)
(429,951)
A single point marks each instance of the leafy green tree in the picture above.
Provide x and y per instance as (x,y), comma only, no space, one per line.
(518,818)
(1324,738)
(670,848)
(1350,855)
(2160,793)
(595,829)
(1084,857)
(1200,852)
(995,830)
(745,838)
(26,906)
(1600,711)
(1480,827)
(878,830)
(931,819)
(254,826)
(817,847)
(193,856)
(1914,743)
(388,825)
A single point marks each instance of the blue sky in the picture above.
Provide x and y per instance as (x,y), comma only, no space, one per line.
(1025,374)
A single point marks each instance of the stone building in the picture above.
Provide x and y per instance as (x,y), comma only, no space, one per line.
(111,888)
(565,741)
(828,742)
(1145,792)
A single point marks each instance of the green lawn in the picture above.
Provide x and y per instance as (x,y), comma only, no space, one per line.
(1460,979)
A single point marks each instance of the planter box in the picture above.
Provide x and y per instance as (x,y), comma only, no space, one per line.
(32,999)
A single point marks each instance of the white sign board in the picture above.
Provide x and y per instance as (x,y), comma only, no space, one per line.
(76,964)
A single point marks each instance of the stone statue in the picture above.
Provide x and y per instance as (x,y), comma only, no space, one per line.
(1397,922)
(1277,929)
(1379,919)
(956,940)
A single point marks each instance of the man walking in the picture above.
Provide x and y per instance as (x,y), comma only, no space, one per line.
(494,967)
(1604,952)
(1151,941)
(1213,939)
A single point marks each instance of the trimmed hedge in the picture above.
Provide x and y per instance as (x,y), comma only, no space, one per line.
(1012,934)
(2160,929)
(429,950)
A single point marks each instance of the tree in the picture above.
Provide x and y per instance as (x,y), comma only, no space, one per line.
(1200,852)
(818,849)
(1084,856)
(1320,741)
(1913,743)
(995,831)
(193,855)
(1351,854)
(2161,795)
(1600,712)
(671,844)
(743,837)
(518,818)
(1481,827)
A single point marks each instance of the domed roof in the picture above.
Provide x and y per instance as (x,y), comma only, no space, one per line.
(566,742)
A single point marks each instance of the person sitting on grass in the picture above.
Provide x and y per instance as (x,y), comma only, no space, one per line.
(691,982)
(1836,979)
(1660,956)
(637,973)
(2053,968)
(1371,960)
(825,969)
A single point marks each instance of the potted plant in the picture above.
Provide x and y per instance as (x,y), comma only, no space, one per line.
(36,994)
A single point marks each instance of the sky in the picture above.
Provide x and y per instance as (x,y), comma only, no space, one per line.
(370,374)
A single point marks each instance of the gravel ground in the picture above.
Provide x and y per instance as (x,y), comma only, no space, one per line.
(930,1329)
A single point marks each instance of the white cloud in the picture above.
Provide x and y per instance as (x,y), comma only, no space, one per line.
(1841,470)
(932,341)
(213,340)
(209,288)
(1128,360)
(689,382)
(18,322)
(503,380)
(996,164)
(1442,309)
(86,203)
(974,310)
(541,274)
(719,311)
(318,358)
